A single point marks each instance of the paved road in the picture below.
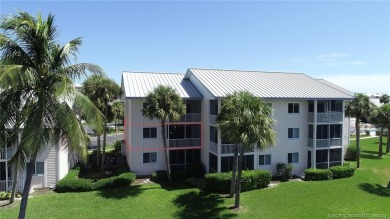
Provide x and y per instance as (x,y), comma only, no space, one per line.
(110,139)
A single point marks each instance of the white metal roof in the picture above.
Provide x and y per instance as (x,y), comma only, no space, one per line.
(140,84)
(335,86)
(265,84)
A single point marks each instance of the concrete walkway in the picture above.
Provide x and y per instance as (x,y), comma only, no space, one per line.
(365,137)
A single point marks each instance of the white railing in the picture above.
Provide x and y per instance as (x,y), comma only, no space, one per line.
(191,117)
(335,142)
(326,117)
(324,143)
(186,142)
(213,119)
(7,153)
(229,149)
(6,185)
(214,147)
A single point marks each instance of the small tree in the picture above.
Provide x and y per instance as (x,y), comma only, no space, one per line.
(384,99)
(246,120)
(359,108)
(381,116)
(165,104)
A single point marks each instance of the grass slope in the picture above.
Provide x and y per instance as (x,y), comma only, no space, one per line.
(363,193)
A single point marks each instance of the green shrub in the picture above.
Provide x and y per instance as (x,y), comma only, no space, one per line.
(251,179)
(196,170)
(342,171)
(195,182)
(117,146)
(159,176)
(284,170)
(318,174)
(351,154)
(72,183)
(7,195)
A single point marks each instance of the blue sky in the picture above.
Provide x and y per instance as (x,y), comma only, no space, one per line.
(345,42)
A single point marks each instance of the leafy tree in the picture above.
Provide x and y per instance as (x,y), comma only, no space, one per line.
(359,108)
(101,90)
(384,99)
(118,109)
(247,121)
(165,104)
(36,80)
(381,116)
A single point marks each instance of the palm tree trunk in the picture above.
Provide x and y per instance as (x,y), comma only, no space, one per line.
(238,182)
(26,190)
(380,151)
(98,151)
(388,141)
(15,181)
(104,136)
(357,128)
(234,171)
(166,151)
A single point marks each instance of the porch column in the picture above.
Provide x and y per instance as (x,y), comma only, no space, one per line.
(315,135)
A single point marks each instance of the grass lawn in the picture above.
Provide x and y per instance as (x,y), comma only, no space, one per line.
(361,194)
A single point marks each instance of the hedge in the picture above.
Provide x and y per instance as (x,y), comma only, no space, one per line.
(195,170)
(318,174)
(71,182)
(351,154)
(342,171)
(251,180)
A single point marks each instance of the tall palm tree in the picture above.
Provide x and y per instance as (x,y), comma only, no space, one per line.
(381,116)
(37,69)
(359,108)
(245,119)
(102,90)
(165,104)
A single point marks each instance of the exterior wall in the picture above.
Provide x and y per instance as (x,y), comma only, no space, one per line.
(51,166)
(62,160)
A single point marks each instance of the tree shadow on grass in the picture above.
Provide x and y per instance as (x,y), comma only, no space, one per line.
(122,193)
(201,204)
(375,189)
(370,156)
(369,152)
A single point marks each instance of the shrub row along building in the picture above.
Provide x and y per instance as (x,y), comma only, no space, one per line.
(312,130)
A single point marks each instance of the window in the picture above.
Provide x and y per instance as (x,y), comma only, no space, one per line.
(39,168)
(150,132)
(265,159)
(293,133)
(293,108)
(150,157)
(293,157)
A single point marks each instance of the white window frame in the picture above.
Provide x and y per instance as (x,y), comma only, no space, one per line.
(150,133)
(293,138)
(35,169)
(293,113)
(292,158)
(150,157)
(270,159)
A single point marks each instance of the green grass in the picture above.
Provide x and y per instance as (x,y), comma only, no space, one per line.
(364,193)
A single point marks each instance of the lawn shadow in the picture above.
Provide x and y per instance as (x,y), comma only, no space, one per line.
(122,193)
(375,189)
(369,152)
(370,156)
(201,204)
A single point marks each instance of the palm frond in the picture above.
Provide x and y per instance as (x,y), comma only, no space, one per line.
(89,111)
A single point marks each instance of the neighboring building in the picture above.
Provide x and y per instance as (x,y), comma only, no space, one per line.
(310,124)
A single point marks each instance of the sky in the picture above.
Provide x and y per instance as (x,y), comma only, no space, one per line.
(345,42)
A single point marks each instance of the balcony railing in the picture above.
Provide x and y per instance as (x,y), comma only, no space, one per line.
(324,143)
(7,153)
(326,117)
(228,149)
(213,119)
(186,142)
(6,185)
(214,147)
(190,117)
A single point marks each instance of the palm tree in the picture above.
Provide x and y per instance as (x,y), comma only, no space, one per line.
(384,99)
(381,116)
(37,69)
(247,120)
(165,104)
(118,110)
(359,108)
(101,90)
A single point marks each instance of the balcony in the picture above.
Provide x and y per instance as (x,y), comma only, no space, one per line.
(325,143)
(213,119)
(6,185)
(214,147)
(183,143)
(191,117)
(7,153)
(228,149)
(329,117)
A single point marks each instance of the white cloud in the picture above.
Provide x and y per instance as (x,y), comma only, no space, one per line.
(369,83)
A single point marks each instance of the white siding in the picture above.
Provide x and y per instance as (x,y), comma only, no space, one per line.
(51,177)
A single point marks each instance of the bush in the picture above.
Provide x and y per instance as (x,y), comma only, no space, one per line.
(344,171)
(72,183)
(159,176)
(196,170)
(117,146)
(318,174)
(351,154)
(251,179)
(284,170)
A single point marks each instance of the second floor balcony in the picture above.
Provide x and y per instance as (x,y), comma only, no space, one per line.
(185,142)
(328,117)
(325,143)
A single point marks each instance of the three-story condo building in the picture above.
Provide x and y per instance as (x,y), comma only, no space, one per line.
(310,124)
